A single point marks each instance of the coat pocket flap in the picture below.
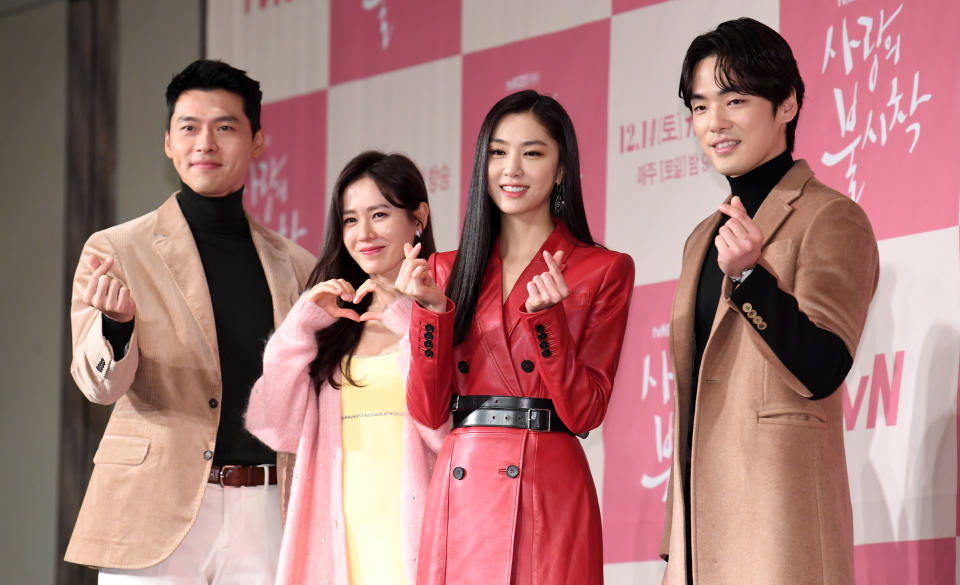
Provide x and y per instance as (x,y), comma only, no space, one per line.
(122,450)
(790,416)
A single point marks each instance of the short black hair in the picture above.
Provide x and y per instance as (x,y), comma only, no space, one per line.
(752,59)
(209,74)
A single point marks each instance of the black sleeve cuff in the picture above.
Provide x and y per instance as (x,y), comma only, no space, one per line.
(117,335)
(818,358)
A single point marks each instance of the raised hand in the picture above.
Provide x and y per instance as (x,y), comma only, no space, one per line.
(547,288)
(385,297)
(325,296)
(416,282)
(106,293)
(739,240)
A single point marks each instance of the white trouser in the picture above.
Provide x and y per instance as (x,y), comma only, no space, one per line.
(235,541)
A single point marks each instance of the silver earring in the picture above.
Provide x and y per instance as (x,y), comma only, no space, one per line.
(418,233)
(558,200)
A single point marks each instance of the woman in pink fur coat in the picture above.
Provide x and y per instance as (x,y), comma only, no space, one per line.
(363,465)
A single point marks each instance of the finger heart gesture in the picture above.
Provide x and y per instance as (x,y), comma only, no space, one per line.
(325,295)
(739,240)
(106,293)
(547,288)
(416,282)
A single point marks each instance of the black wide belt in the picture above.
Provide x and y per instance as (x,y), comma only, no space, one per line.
(517,412)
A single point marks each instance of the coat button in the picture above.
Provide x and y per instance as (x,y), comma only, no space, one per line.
(463,366)
(544,345)
(458,473)
(539,328)
(526,366)
(428,335)
(208,454)
(213,403)
(747,307)
(428,327)
(427,343)
(546,353)
(541,335)
(428,353)
(513,471)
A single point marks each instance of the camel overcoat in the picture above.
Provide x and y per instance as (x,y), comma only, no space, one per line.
(769,497)
(151,467)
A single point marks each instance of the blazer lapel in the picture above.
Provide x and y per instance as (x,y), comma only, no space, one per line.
(178,250)
(560,239)
(489,325)
(281,278)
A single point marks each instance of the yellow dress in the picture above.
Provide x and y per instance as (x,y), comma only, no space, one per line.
(372,461)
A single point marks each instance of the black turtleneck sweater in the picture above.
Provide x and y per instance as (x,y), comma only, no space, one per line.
(817,357)
(242,310)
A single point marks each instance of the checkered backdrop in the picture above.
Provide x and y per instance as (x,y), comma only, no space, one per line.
(882,76)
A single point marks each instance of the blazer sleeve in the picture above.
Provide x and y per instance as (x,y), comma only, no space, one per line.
(100,377)
(281,396)
(579,378)
(837,270)
(430,379)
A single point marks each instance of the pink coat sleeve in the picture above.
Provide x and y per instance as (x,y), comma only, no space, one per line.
(280,398)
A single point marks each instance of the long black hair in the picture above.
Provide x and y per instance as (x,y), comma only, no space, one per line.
(402,185)
(481,223)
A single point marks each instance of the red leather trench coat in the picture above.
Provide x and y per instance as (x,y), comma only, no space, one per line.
(541,525)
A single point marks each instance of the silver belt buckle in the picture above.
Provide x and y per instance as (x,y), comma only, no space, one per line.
(546,412)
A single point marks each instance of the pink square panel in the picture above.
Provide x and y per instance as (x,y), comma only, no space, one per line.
(368,37)
(573,66)
(879,121)
(627,5)
(638,432)
(917,562)
(285,183)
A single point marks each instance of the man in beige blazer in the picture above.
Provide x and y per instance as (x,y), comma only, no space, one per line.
(170,312)
(771,301)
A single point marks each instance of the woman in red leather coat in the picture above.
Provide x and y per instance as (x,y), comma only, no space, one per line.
(523,349)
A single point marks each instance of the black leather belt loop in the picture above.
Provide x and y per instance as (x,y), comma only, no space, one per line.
(518,412)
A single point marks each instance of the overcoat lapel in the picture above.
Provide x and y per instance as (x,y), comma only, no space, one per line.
(684,309)
(177,249)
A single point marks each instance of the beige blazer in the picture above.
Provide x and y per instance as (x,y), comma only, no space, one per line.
(151,467)
(769,496)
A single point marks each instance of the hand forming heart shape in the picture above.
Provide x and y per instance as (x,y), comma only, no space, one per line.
(325,295)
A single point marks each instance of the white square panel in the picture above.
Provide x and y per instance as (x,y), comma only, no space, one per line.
(283,45)
(901,405)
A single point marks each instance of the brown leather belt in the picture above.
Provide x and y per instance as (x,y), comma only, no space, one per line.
(241,476)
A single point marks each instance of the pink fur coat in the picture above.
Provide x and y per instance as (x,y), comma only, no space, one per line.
(286,413)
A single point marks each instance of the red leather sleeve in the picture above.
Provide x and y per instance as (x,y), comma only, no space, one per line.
(430,379)
(579,377)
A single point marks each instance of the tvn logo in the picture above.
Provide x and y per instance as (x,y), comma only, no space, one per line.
(881,387)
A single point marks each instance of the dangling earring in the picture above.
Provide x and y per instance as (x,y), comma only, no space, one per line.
(558,200)
(417,234)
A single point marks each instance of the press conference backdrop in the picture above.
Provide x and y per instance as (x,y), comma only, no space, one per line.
(879,123)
